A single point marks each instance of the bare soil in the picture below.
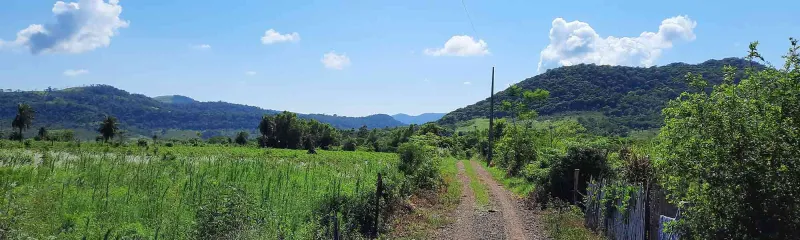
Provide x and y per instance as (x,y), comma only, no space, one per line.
(507,217)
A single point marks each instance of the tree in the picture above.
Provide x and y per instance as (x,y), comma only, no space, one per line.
(42,134)
(24,119)
(518,149)
(108,128)
(267,129)
(241,138)
(733,154)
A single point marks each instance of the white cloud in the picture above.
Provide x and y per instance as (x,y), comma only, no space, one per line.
(332,60)
(250,73)
(576,42)
(75,72)
(272,36)
(79,27)
(461,46)
(201,46)
(467,83)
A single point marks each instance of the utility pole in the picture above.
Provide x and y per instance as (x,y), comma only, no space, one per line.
(491,123)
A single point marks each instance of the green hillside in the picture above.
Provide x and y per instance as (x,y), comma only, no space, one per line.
(84,107)
(627,97)
(174,99)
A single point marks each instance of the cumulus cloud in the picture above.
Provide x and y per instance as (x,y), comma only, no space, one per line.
(467,83)
(75,72)
(250,73)
(335,61)
(201,46)
(272,36)
(79,27)
(576,42)
(461,46)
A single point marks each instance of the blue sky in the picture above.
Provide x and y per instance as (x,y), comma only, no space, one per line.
(382,56)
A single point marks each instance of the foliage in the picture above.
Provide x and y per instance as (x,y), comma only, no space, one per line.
(590,161)
(23,120)
(108,128)
(349,145)
(565,222)
(241,138)
(419,164)
(636,168)
(733,154)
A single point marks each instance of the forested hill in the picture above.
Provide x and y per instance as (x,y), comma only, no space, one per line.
(84,107)
(419,119)
(628,97)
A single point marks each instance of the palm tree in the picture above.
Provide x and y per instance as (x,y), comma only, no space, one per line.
(42,134)
(23,119)
(108,128)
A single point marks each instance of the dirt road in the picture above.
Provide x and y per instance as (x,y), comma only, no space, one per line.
(506,217)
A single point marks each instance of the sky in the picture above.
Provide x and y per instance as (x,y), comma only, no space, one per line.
(362,57)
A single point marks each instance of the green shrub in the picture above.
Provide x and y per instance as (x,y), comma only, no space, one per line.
(733,154)
(349,145)
(141,142)
(418,163)
(590,161)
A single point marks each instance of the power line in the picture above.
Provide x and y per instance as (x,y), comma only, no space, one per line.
(469,18)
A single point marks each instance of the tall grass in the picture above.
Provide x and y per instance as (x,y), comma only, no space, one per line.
(478,187)
(94,192)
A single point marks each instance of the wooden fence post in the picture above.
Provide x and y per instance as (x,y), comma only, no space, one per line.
(378,195)
(575,187)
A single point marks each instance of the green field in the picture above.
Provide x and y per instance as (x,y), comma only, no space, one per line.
(93,191)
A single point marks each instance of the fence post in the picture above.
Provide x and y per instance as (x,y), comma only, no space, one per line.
(575,187)
(335,226)
(378,195)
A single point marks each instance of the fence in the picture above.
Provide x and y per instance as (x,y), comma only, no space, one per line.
(615,220)
(657,206)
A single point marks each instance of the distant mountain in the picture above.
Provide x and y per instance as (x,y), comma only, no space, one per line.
(419,119)
(178,99)
(85,107)
(627,97)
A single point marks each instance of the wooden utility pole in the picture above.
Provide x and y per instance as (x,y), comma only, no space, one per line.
(491,123)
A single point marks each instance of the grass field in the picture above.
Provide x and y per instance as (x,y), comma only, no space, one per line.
(94,191)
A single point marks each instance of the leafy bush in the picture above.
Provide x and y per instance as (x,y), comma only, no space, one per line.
(15,136)
(349,145)
(733,154)
(141,142)
(590,161)
(636,168)
(418,164)
(241,138)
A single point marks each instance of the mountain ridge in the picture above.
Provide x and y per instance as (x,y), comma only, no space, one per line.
(629,98)
(84,107)
(418,119)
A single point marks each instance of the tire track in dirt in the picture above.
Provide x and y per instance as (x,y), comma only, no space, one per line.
(464,223)
(512,211)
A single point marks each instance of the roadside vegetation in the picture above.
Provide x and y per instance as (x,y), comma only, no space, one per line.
(724,155)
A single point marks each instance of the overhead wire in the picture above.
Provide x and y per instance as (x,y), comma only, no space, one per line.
(463,4)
